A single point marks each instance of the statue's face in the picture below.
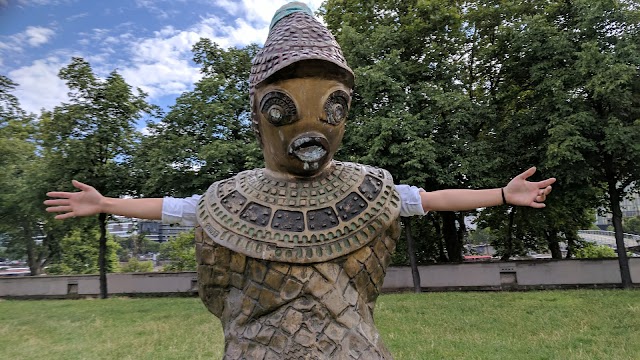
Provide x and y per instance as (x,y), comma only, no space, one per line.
(301,123)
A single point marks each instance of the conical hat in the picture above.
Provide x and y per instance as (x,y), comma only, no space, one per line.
(295,36)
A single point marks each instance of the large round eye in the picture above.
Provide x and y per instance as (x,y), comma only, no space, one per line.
(336,107)
(278,108)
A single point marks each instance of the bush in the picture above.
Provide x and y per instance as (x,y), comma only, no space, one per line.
(181,251)
(135,265)
(80,254)
(593,251)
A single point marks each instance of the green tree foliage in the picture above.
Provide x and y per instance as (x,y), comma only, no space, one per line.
(206,136)
(469,94)
(594,126)
(592,251)
(21,217)
(135,245)
(632,225)
(135,265)
(92,137)
(181,251)
(81,254)
(410,113)
(482,236)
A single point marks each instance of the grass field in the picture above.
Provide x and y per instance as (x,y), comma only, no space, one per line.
(579,324)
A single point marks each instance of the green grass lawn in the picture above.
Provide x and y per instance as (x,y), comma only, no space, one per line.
(580,324)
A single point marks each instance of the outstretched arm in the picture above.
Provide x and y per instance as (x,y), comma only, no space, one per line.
(519,191)
(88,201)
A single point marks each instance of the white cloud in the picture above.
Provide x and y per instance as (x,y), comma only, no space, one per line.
(262,11)
(39,85)
(32,35)
(159,64)
(155,7)
(77,16)
(37,36)
(229,6)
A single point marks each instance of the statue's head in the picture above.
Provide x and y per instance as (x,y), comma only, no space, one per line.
(300,89)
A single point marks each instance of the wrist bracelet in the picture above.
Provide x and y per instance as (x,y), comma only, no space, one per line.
(504,199)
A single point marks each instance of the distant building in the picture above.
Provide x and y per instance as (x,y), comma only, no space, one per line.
(630,207)
(157,231)
(154,230)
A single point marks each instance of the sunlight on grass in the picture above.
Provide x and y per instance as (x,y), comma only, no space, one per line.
(585,324)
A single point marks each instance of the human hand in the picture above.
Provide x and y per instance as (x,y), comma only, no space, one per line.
(86,202)
(519,191)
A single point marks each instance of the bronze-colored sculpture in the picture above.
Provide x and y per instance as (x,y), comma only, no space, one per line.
(291,258)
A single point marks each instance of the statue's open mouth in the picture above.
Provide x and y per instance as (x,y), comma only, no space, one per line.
(309,149)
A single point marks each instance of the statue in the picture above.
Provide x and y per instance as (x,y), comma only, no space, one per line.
(292,257)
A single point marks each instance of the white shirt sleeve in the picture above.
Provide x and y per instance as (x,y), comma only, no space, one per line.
(410,201)
(182,211)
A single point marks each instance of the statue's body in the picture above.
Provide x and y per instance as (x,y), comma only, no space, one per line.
(293,269)
(292,257)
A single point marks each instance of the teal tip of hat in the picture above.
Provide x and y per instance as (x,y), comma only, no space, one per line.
(288,9)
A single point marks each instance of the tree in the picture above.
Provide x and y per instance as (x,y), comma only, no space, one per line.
(592,251)
(135,245)
(81,254)
(632,225)
(21,217)
(92,137)
(135,265)
(595,127)
(206,136)
(181,251)
(410,114)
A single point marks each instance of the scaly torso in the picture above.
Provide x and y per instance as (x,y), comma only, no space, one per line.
(293,269)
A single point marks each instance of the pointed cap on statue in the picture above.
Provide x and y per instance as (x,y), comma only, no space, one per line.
(295,35)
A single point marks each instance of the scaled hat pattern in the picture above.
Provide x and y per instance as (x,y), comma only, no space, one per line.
(294,38)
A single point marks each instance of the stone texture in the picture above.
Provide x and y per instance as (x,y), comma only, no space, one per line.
(293,267)
(289,310)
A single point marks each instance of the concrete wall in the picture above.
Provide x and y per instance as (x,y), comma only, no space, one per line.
(469,276)
(89,285)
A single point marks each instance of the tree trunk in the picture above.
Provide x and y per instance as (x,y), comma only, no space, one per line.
(32,258)
(462,227)
(623,261)
(411,251)
(554,244)
(102,255)
(442,257)
(508,248)
(571,244)
(451,240)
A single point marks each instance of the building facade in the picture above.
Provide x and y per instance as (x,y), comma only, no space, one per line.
(154,230)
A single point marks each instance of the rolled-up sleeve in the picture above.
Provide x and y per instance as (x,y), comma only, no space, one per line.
(410,201)
(180,211)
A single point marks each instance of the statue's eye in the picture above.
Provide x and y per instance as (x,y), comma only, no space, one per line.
(336,107)
(278,108)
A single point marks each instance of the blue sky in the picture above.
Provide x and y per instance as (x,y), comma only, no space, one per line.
(148,41)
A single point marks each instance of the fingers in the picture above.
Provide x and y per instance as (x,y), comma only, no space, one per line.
(81,186)
(537,205)
(60,194)
(57,202)
(65,216)
(538,202)
(529,172)
(545,183)
(59,209)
